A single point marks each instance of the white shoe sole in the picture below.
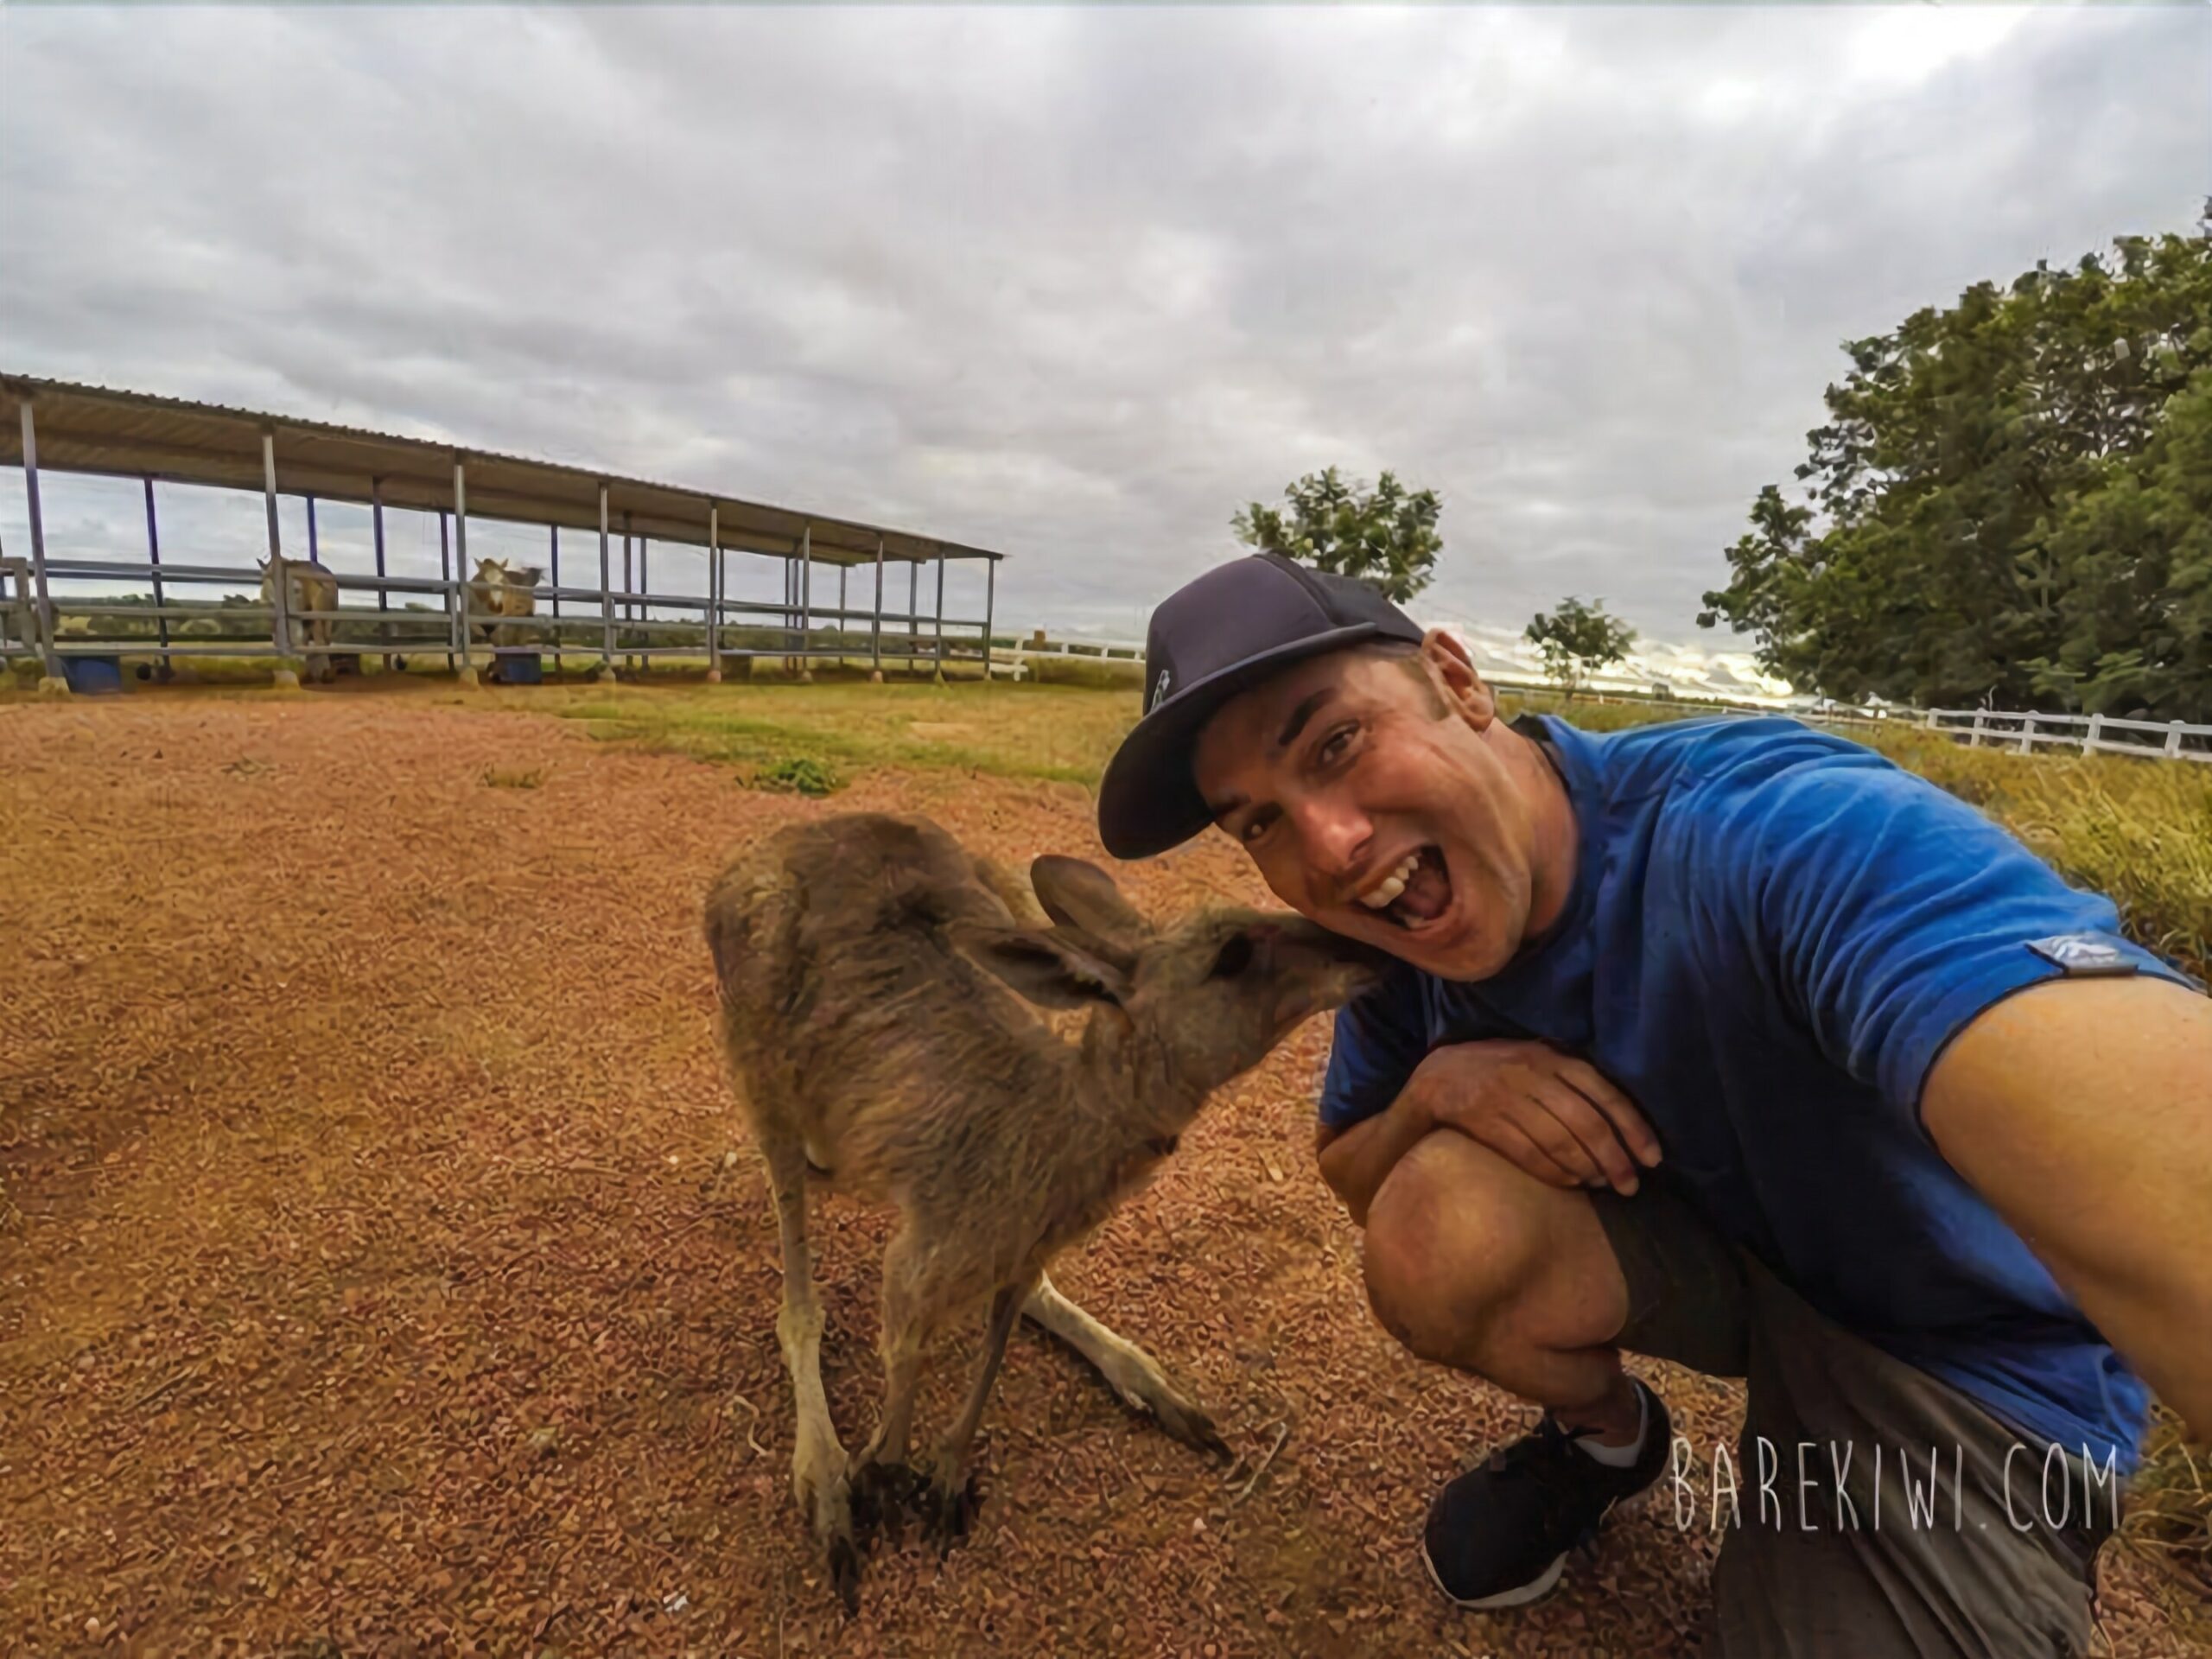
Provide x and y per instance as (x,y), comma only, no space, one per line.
(1538,1587)
(1536,1590)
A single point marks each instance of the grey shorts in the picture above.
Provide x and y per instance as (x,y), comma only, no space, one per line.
(1825,1551)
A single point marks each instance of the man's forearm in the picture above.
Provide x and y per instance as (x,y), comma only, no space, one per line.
(2082,1111)
(1355,1162)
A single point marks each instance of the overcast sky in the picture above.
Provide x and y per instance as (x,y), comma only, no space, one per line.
(1073,284)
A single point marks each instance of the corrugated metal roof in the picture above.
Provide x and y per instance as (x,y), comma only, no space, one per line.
(83,429)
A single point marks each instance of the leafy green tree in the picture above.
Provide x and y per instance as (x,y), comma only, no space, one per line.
(1386,536)
(1576,640)
(2009,500)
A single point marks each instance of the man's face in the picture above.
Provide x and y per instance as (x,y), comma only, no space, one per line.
(1367,792)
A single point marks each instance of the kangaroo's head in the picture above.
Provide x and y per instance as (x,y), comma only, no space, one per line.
(1212,994)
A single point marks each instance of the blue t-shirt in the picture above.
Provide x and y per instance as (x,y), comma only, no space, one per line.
(1772,935)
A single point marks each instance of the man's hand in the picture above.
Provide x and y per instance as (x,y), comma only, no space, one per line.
(1548,1115)
(1552,1117)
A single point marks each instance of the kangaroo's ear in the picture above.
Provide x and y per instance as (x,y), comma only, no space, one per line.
(1053,967)
(527,576)
(1080,895)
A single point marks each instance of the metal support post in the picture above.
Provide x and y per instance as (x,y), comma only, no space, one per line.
(875,622)
(280,621)
(713,594)
(805,602)
(460,566)
(990,601)
(161,604)
(49,658)
(606,597)
(940,615)
(376,534)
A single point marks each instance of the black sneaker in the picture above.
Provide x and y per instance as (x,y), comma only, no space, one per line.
(1499,1535)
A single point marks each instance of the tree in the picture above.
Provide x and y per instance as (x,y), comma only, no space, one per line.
(1386,536)
(1576,640)
(2008,501)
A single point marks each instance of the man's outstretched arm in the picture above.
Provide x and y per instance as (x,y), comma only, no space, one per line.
(2081,1109)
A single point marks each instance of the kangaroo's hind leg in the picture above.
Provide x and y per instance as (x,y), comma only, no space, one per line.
(952,1500)
(818,1466)
(883,1484)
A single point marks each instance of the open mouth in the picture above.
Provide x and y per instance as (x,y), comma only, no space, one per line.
(1415,893)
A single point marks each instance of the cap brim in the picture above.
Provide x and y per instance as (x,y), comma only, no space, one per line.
(1148,801)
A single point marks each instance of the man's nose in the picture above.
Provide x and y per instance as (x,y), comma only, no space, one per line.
(1334,834)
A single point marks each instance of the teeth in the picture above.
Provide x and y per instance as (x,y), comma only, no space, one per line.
(1386,891)
(1377,897)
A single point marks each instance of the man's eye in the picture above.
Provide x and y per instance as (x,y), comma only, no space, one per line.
(1253,829)
(1336,745)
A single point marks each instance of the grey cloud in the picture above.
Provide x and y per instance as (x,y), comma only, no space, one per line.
(1078,283)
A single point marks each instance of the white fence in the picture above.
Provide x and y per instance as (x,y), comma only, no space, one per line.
(2029,734)
(2022,732)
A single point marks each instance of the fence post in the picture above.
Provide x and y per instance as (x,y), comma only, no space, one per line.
(460,590)
(939,675)
(445,579)
(1929,721)
(161,604)
(52,678)
(2096,730)
(714,593)
(279,622)
(875,625)
(606,600)
(2027,733)
(2173,739)
(990,605)
(807,606)
(384,594)
(1980,720)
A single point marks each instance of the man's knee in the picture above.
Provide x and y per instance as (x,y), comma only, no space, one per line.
(1447,1252)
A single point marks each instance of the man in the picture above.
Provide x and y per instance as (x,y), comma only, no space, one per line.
(1726,1042)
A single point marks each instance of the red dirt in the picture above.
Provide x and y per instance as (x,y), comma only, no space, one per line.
(375,1281)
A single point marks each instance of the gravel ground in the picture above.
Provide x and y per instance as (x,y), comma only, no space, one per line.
(384,1273)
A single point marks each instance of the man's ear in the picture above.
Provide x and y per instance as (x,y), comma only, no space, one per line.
(1054,966)
(1459,685)
(1082,896)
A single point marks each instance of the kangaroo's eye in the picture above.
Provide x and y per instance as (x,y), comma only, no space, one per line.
(1236,957)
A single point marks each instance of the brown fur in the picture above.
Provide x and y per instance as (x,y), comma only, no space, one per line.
(865,964)
(496,592)
(306,588)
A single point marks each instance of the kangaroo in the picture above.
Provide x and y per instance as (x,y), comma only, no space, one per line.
(497,591)
(875,984)
(308,588)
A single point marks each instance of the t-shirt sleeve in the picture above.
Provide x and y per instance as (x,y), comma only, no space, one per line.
(1381,1038)
(1891,912)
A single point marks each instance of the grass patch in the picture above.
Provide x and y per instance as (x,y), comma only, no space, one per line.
(801,775)
(513,777)
(1058,733)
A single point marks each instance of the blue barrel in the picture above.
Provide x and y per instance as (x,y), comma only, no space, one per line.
(524,668)
(93,677)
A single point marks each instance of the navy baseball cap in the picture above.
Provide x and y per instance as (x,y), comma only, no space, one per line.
(1210,640)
